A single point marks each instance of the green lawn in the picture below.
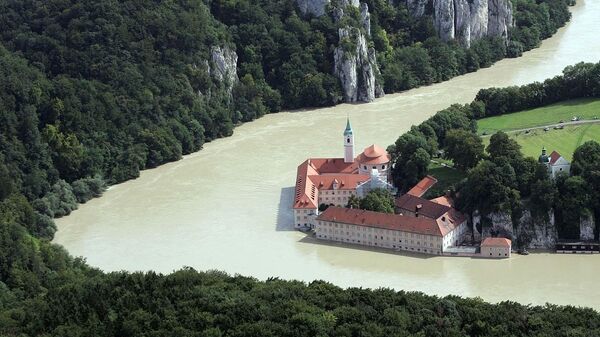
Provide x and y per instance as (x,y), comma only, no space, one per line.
(446,177)
(564,141)
(551,114)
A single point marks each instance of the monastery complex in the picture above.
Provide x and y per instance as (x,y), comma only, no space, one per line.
(325,185)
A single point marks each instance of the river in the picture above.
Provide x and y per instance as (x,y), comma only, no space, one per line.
(227,206)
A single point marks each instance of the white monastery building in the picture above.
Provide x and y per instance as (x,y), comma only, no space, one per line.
(331,181)
(417,234)
(419,225)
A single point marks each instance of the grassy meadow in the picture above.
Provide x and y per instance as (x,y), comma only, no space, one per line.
(564,141)
(585,109)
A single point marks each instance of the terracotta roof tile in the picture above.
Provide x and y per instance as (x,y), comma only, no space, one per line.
(444,200)
(426,207)
(554,156)
(422,186)
(345,181)
(373,155)
(496,242)
(359,217)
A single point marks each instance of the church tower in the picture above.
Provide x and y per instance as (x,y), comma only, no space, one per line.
(348,143)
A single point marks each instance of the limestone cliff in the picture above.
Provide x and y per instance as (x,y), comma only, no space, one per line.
(223,67)
(416,8)
(586,228)
(356,66)
(537,235)
(312,7)
(467,20)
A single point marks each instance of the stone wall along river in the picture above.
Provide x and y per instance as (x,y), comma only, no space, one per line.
(227,206)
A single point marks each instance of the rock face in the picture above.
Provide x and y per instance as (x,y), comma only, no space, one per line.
(586,228)
(416,8)
(354,63)
(365,17)
(356,66)
(313,7)
(224,67)
(537,235)
(467,20)
(319,7)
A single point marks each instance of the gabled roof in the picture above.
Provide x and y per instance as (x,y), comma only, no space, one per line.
(345,181)
(444,200)
(496,242)
(306,195)
(360,217)
(422,186)
(554,157)
(426,208)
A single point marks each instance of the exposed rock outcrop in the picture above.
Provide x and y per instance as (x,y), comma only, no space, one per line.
(365,17)
(313,7)
(224,67)
(416,8)
(468,20)
(586,228)
(536,234)
(356,66)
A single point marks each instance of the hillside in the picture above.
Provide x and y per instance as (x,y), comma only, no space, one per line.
(93,92)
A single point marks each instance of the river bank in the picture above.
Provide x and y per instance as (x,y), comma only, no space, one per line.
(227,206)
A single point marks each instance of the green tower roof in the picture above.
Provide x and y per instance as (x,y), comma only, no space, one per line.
(348,130)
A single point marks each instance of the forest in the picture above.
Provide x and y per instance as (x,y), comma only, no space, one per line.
(500,178)
(93,92)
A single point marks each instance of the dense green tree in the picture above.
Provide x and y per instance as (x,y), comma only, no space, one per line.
(503,149)
(378,200)
(464,148)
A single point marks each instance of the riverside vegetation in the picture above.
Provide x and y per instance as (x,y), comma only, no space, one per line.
(93,92)
(499,178)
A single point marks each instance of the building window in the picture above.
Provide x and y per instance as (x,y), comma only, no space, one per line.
(365,167)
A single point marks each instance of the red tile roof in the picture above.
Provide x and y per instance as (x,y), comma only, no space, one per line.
(422,186)
(554,156)
(373,155)
(398,222)
(306,195)
(332,165)
(320,173)
(444,200)
(496,242)
(345,181)
(427,208)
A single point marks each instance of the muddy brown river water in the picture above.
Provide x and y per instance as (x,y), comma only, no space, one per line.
(227,206)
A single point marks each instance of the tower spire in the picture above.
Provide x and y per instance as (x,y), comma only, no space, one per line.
(348,130)
(348,143)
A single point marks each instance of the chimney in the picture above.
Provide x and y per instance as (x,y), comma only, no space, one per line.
(417,209)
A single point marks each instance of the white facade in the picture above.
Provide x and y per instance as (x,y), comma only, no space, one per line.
(383,169)
(387,238)
(375,181)
(561,166)
(378,237)
(305,218)
(335,197)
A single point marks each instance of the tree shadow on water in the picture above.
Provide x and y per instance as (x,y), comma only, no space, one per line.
(285,214)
